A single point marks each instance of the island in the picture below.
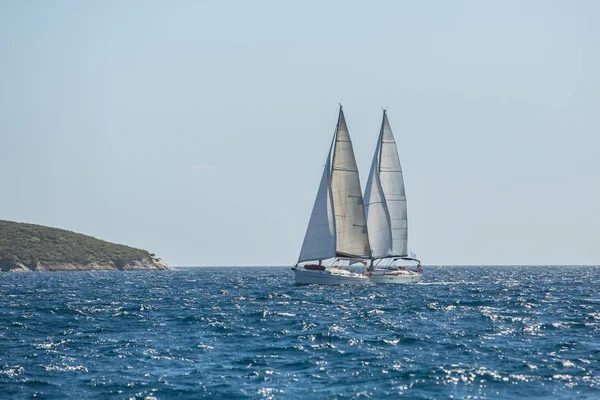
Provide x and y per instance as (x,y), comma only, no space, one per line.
(29,247)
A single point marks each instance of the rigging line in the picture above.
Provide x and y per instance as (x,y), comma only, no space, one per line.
(344,169)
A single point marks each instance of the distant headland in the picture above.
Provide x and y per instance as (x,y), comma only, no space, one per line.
(29,247)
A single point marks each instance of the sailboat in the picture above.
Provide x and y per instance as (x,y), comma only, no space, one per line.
(386,214)
(336,238)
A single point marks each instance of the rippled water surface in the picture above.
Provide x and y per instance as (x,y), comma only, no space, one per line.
(466,332)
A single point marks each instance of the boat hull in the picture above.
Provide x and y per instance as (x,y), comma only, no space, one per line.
(328,278)
(394,277)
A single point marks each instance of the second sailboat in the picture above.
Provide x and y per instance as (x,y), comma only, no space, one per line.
(386,213)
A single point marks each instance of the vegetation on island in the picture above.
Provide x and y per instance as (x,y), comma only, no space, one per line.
(31,244)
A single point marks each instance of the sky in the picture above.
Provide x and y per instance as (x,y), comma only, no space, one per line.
(198,130)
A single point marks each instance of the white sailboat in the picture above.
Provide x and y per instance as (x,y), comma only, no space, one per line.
(385,210)
(336,237)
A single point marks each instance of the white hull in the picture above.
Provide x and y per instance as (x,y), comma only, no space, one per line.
(379,276)
(329,277)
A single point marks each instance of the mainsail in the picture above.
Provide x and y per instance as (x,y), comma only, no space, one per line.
(385,199)
(337,226)
(350,221)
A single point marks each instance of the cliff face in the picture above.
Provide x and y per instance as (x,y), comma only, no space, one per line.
(28,247)
(144,264)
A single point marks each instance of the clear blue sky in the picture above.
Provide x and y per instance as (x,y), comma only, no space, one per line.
(198,130)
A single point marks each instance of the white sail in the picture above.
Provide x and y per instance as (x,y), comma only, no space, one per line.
(351,230)
(392,183)
(376,212)
(319,240)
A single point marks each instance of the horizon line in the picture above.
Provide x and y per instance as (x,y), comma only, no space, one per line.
(432,265)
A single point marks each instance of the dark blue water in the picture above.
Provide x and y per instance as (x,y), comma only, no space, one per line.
(467,332)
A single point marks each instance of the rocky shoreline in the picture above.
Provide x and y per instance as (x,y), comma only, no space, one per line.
(134,265)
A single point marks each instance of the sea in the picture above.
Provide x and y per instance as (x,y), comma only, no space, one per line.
(465,332)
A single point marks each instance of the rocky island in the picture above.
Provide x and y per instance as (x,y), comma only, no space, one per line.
(29,247)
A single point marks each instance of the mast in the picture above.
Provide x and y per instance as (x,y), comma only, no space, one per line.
(376,211)
(385,199)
